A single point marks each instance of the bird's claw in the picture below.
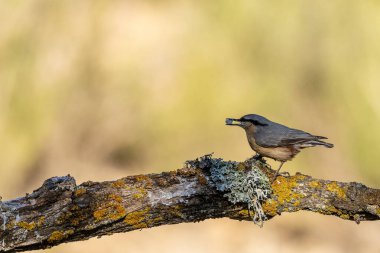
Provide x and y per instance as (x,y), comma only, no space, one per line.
(258,157)
(283,174)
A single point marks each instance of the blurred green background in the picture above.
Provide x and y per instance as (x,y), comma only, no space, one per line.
(105,89)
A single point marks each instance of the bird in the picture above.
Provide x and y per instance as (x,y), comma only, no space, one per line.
(275,141)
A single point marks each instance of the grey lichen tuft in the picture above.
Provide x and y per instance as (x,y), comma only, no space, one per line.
(250,186)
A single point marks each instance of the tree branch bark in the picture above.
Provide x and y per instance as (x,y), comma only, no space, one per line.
(61,211)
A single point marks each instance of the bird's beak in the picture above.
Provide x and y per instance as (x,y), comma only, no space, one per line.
(230,122)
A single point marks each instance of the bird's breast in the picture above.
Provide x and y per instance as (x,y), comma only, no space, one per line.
(277,153)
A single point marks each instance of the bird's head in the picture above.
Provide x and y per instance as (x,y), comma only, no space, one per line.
(247,121)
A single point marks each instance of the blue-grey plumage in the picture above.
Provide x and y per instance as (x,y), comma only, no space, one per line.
(272,134)
(276,141)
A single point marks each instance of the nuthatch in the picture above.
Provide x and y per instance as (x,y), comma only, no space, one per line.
(273,140)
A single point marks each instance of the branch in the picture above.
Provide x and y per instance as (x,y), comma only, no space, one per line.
(61,211)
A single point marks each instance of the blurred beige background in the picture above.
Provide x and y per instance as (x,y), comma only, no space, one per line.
(106,89)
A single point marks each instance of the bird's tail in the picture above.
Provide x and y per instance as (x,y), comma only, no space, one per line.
(320,137)
(321,143)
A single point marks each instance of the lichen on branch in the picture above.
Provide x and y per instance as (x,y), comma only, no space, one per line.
(239,183)
(61,211)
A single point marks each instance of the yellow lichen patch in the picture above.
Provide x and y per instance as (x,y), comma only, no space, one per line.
(115,197)
(140,225)
(141,178)
(300,176)
(141,192)
(270,207)
(357,218)
(136,218)
(118,183)
(332,210)
(244,213)
(100,214)
(315,184)
(59,235)
(283,189)
(10,224)
(27,225)
(79,192)
(56,236)
(297,203)
(112,210)
(345,216)
(137,195)
(335,188)
(147,181)
(117,212)
(40,221)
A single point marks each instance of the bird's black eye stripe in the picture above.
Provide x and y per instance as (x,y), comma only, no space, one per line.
(255,122)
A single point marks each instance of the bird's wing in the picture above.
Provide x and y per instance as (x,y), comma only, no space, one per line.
(278,135)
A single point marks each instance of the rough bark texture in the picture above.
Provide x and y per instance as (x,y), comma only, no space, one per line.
(61,211)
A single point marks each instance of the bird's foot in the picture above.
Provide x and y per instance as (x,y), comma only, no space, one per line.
(283,174)
(277,172)
(260,158)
